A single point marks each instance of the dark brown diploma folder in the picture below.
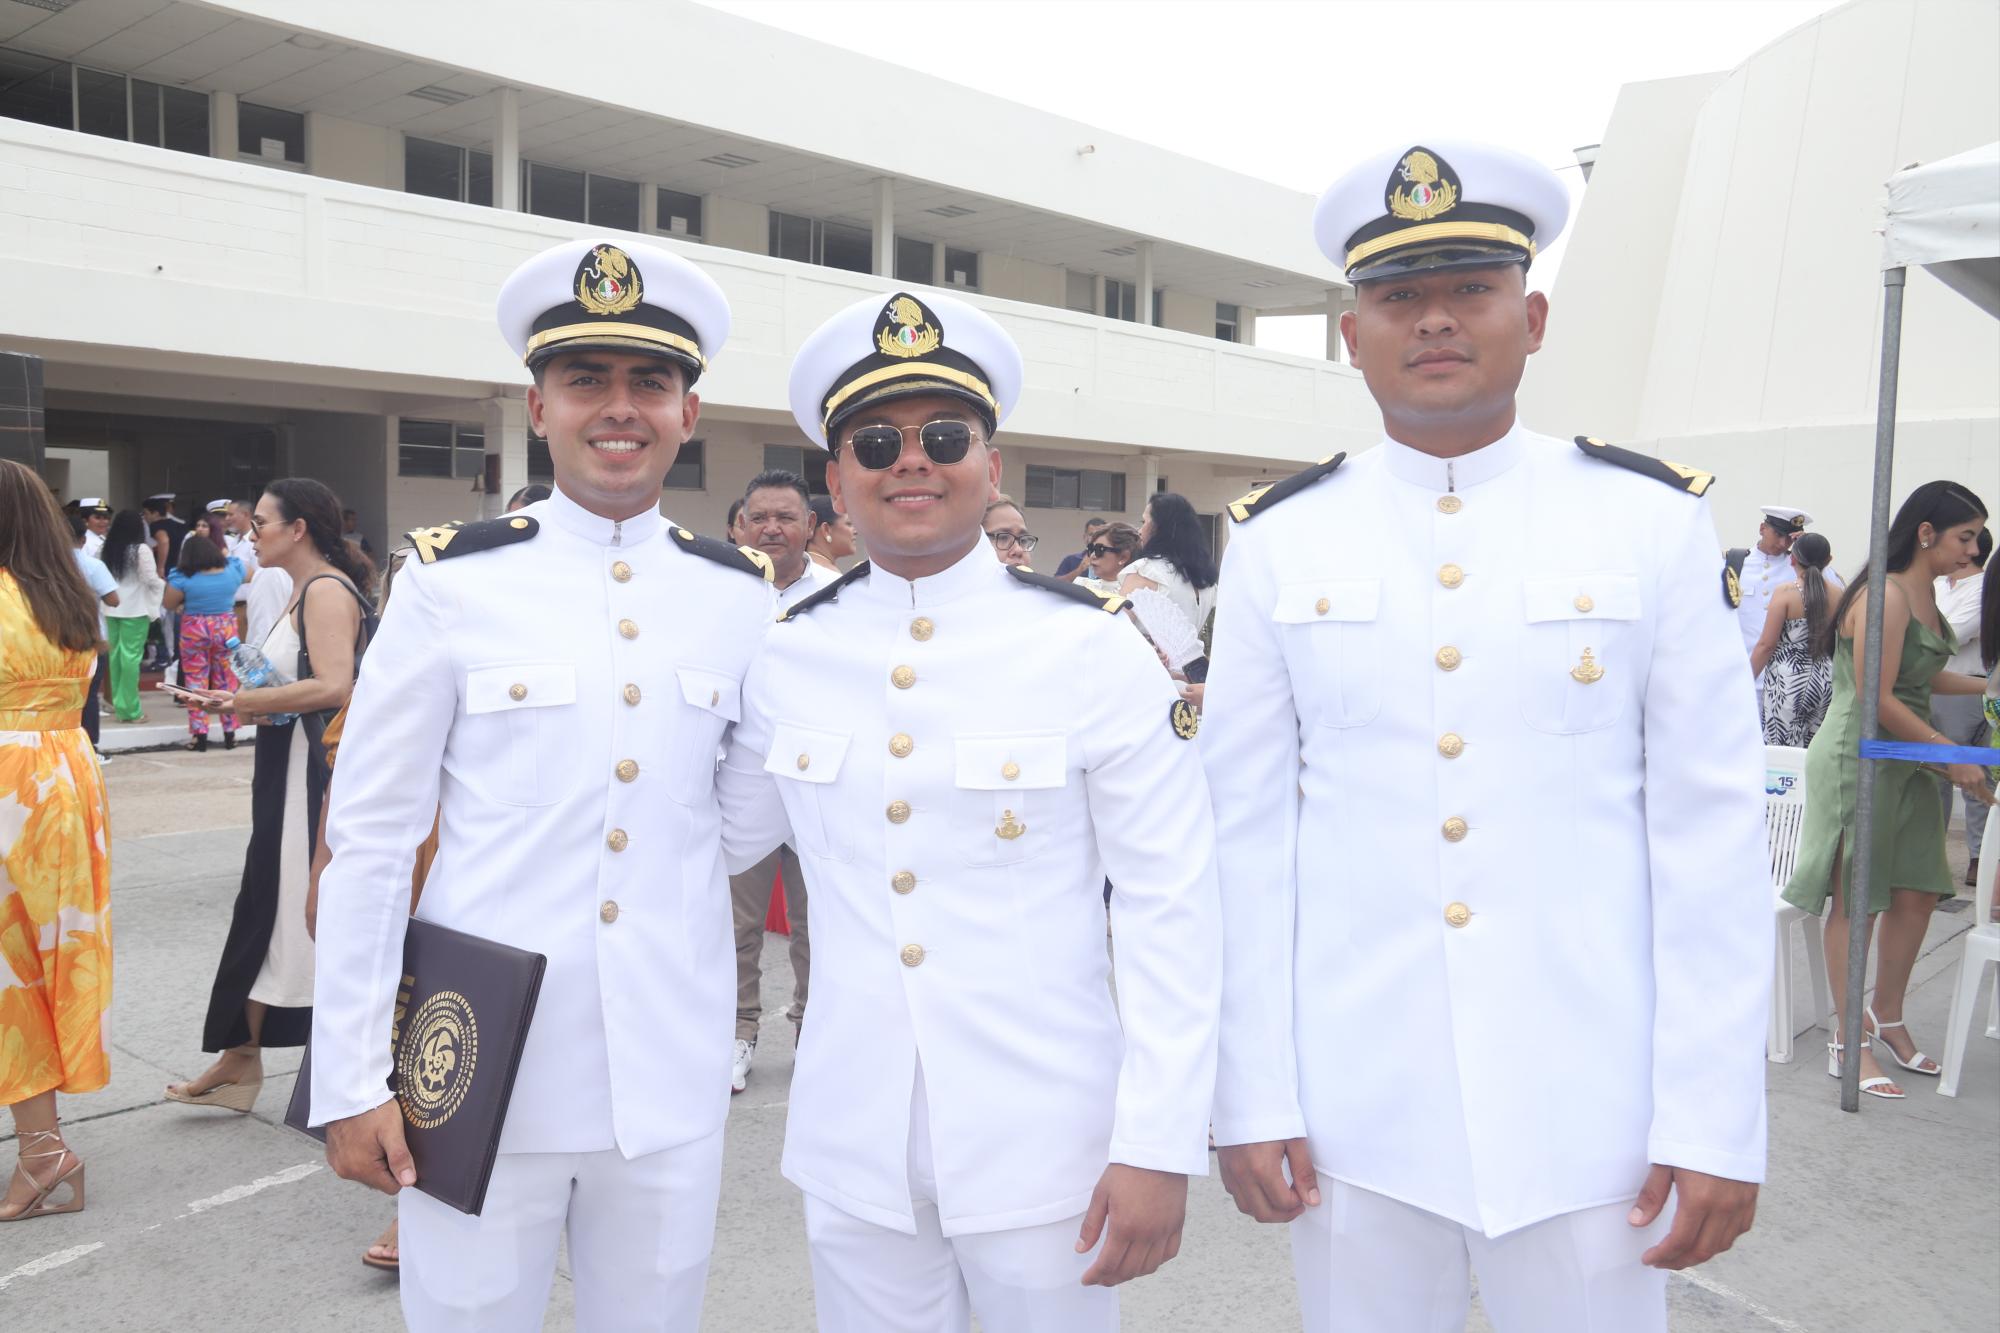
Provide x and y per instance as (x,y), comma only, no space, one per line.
(462,1015)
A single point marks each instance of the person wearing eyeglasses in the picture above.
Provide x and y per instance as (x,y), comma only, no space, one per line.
(1074,565)
(1104,560)
(1007,528)
(974,1131)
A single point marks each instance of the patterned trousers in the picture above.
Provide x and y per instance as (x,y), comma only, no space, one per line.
(205,664)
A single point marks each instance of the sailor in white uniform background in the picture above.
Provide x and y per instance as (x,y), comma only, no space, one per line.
(1762,569)
(561,680)
(977,1127)
(1488,827)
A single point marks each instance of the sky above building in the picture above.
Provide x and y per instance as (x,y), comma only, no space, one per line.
(1293,91)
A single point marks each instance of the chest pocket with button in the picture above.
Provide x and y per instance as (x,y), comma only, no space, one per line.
(1009,799)
(806,761)
(1332,647)
(517,743)
(710,701)
(1563,691)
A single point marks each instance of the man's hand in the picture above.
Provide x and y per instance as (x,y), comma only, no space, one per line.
(1146,1209)
(1254,1175)
(369,1148)
(1712,1213)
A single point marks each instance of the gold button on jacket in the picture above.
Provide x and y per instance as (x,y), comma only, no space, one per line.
(1455,829)
(608,913)
(622,572)
(901,745)
(1450,504)
(805,762)
(921,629)
(1584,603)
(899,812)
(903,881)
(1448,658)
(1010,770)
(913,954)
(1451,745)
(903,677)
(628,769)
(1451,576)
(632,694)
(517,692)
(616,840)
(1322,606)
(1457,915)
(628,628)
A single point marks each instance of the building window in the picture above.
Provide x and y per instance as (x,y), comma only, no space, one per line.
(690,469)
(1228,322)
(446,171)
(810,463)
(541,467)
(812,241)
(1121,300)
(67,97)
(614,203)
(961,268)
(439,449)
(1075,488)
(1159,307)
(554,192)
(269,134)
(679,214)
(913,259)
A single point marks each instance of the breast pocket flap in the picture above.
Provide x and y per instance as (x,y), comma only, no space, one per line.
(502,688)
(1310,601)
(1012,763)
(715,692)
(806,754)
(1582,597)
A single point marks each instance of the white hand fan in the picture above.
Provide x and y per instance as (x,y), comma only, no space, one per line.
(1166,625)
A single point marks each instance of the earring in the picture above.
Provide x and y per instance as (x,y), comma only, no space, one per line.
(1925,545)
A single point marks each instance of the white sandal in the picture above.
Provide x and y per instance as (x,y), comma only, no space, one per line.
(1872,1086)
(1916,1064)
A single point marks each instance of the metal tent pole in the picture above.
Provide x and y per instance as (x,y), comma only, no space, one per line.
(1860,860)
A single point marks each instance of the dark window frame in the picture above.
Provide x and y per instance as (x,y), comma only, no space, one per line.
(288,162)
(1072,488)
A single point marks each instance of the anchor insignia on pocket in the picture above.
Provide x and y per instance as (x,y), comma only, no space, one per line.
(1010,827)
(1586,672)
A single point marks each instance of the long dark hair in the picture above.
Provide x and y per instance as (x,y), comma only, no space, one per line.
(302,498)
(37,548)
(1942,504)
(124,542)
(1989,618)
(1810,554)
(1178,539)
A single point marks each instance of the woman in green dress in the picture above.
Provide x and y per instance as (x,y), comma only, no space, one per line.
(1934,533)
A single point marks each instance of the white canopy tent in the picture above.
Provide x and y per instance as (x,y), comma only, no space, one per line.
(1943,216)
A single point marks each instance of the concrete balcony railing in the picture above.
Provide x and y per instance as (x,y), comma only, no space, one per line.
(111,251)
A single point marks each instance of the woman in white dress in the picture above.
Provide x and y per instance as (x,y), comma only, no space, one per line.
(264,983)
(1174,558)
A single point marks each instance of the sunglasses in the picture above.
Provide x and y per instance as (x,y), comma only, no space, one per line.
(1004,539)
(1096,549)
(877,448)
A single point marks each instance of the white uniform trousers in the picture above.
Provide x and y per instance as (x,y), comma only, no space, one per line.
(640,1232)
(871,1279)
(1366,1263)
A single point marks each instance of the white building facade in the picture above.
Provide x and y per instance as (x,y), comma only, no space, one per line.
(263,238)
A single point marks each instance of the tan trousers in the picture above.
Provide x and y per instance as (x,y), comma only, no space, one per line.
(750,894)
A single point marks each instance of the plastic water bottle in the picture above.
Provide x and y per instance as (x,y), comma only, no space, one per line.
(254,671)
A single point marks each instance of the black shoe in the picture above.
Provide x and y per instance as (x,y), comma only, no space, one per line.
(199,745)
(228,740)
(1972,873)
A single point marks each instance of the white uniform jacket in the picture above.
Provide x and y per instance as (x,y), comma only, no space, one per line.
(963,759)
(565,698)
(1490,826)
(1762,576)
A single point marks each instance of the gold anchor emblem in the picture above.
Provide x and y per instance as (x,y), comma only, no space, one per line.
(1586,672)
(1010,828)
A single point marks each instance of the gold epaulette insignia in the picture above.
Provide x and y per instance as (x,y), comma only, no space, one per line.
(1263,497)
(1692,480)
(455,538)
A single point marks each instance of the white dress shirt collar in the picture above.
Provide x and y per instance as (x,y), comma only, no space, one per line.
(976,571)
(1448,474)
(573,518)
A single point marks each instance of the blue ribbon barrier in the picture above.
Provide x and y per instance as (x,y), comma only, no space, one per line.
(1985,756)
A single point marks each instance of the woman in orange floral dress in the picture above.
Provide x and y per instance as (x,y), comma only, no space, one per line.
(55,856)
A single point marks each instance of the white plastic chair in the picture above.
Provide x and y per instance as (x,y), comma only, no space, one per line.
(1784,821)
(1982,951)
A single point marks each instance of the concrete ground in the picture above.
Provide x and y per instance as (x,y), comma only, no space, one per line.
(1884,1220)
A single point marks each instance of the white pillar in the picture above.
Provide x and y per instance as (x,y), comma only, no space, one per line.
(649,209)
(507,436)
(1336,301)
(885,226)
(1145,282)
(507,152)
(1150,483)
(1246,326)
(222,126)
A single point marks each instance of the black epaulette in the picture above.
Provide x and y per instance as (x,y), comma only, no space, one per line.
(1262,498)
(454,539)
(830,593)
(746,558)
(1692,480)
(1103,601)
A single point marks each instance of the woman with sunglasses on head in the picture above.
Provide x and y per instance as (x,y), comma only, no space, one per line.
(1007,528)
(263,989)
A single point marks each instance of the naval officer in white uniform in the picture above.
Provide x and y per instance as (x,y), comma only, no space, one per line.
(560,680)
(1492,854)
(1762,569)
(977,1127)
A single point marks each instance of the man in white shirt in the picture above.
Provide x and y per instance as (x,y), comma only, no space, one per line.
(776,517)
(96,521)
(1762,569)
(1961,718)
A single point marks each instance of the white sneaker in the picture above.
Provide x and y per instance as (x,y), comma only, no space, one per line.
(739,1073)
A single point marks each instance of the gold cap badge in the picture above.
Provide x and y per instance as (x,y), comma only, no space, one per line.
(608,282)
(907,329)
(1422,187)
